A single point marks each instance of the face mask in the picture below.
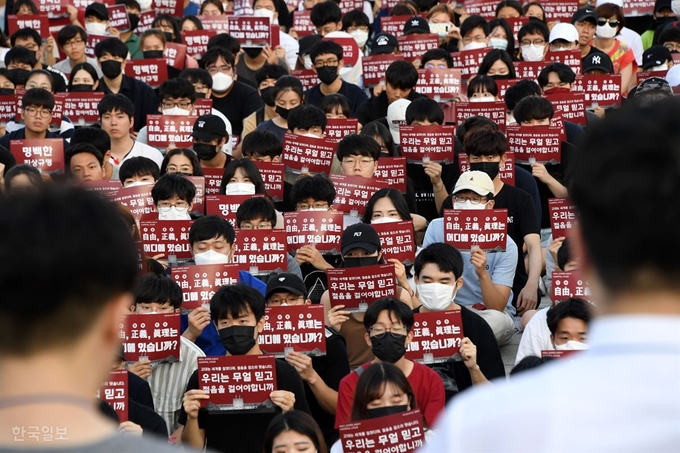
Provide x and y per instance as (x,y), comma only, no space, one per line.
(571,345)
(501,77)
(6,91)
(310,135)
(205,151)
(81,87)
(211,257)
(307,61)
(675,6)
(253,52)
(265,13)
(605,31)
(327,74)
(532,52)
(168,36)
(266,95)
(176,111)
(283,113)
(134,21)
(237,340)
(95,28)
(386,220)
(153,54)
(389,348)
(111,68)
(490,168)
(19,76)
(482,99)
(498,43)
(173,213)
(144,4)
(557,90)
(317,209)
(360,262)
(474,45)
(469,205)
(221,82)
(663,67)
(240,188)
(360,37)
(436,296)
(660,21)
(139,183)
(200,95)
(385,411)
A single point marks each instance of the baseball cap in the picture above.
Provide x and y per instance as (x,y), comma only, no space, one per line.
(208,127)
(566,32)
(598,60)
(360,236)
(383,43)
(285,282)
(97,10)
(476,181)
(416,24)
(673,76)
(307,42)
(655,56)
(584,14)
(660,4)
(396,115)
(653,85)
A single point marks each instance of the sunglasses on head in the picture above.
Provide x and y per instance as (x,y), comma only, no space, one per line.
(612,22)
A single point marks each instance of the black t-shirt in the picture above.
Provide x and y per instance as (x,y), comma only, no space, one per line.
(422,186)
(315,279)
(139,391)
(488,354)
(241,102)
(151,423)
(353,93)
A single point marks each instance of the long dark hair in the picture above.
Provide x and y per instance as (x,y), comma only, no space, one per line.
(297,421)
(377,129)
(492,57)
(397,199)
(498,22)
(250,169)
(186,152)
(373,384)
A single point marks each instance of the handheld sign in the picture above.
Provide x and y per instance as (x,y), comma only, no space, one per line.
(44,154)
(198,203)
(494,110)
(357,287)
(571,58)
(503,86)
(109,187)
(167,237)
(250,31)
(397,240)
(261,252)
(302,23)
(394,25)
(566,285)
(54,8)
(115,392)
(307,77)
(562,216)
(506,170)
(516,23)
(374,67)
(137,199)
(175,8)
(468,61)
(226,206)
(81,107)
(38,22)
(558,354)
(427,143)
(402,432)
(484,8)
(118,17)
(439,84)
(197,41)
(572,106)
(634,8)
(203,106)
(350,49)
(393,171)
(414,46)
(528,69)
(559,10)
(298,328)
(218,24)
(601,90)
(237,382)
(8,108)
(339,128)
(175,55)
(353,193)
(272,175)
(349,5)
(153,337)
(152,71)
(308,154)
(146,19)
(535,144)
(92,41)
(172,131)
(437,336)
(322,229)
(467,229)
(200,282)
(213,180)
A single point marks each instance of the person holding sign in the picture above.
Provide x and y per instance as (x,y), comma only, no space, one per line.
(138,171)
(173,195)
(210,137)
(287,95)
(294,431)
(265,78)
(388,323)
(37,105)
(237,311)
(358,155)
(84,162)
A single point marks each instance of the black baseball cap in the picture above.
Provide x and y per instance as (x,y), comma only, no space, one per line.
(307,42)
(208,127)
(598,60)
(285,282)
(360,236)
(584,14)
(661,4)
(416,24)
(654,85)
(384,43)
(655,56)
(97,10)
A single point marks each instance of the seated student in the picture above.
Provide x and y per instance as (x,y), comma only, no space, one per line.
(357,24)
(160,294)
(111,54)
(37,105)
(294,430)
(210,139)
(278,14)
(401,78)
(258,213)
(237,311)
(326,18)
(489,276)
(558,78)
(585,21)
(101,140)
(83,78)
(388,331)
(670,39)
(358,155)
(564,37)
(657,58)
(533,40)
(183,161)
(138,171)
(177,97)
(497,64)
(22,179)
(254,58)
(307,120)
(72,39)
(287,94)
(266,78)
(482,89)
(321,375)
(173,195)
(360,246)
(438,277)
(30,39)
(664,14)
(84,162)
(116,114)
(153,44)
(336,106)
(474,33)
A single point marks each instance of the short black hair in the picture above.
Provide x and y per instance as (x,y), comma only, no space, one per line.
(79,148)
(399,309)
(534,27)
(139,166)
(269,71)
(473,123)
(358,145)
(196,75)
(669,34)
(422,109)
(436,54)
(211,226)
(355,18)
(234,300)
(445,256)
(25,34)
(401,74)
(563,254)
(154,288)
(306,117)
(485,142)
(317,187)
(130,4)
(176,89)
(226,41)
(473,22)
(38,97)
(261,143)
(256,208)
(111,46)
(519,91)
(325,46)
(65,223)
(564,72)
(93,135)
(533,108)
(20,55)
(213,54)
(482,83)
(171,184)
(493,56)
(112,103)
(332,101)
(325,13)
(569,308)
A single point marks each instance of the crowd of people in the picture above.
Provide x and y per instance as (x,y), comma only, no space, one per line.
(73,265)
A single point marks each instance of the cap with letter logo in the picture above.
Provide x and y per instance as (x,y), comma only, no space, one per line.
(209,127)
(416,24)
(360,236)
(384,43)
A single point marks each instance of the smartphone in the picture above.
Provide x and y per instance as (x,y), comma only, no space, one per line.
(440,29)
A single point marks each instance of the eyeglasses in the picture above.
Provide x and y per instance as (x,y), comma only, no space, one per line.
(32,111)
(306,206)
(259,226)
(290,300)
(473,199)
(535,42)
(321,64)
(214,69)
(364,162)
(612,22)
(379,331)
(439,66)
(74,42)
(181,104)
(177,204)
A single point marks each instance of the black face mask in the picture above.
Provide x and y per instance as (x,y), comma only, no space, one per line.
(200,95)
(237,340)
(283,113)
(490,168)
(266,95)
(385,411)
(327,74)
(360,262)
(111,68)
(253,52)
(153,54)
(6,91)
(18,76)
(134,21)
(501,77)
(204,151)
(81,87)
(168,36)
(660,21)
(389,348)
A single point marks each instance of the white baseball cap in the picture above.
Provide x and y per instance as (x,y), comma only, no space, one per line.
(476,181)
(673,76)
(396,116)
(564,31)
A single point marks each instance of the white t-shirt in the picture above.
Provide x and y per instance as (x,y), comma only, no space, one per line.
(138,150)
(536,337)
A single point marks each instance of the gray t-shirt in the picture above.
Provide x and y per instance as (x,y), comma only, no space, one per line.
(119,443)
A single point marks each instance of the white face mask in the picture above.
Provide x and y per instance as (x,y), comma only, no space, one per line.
(482,99)
(266,13)
(474,45)
(533,52)
(144,4)
(221,82)
(176,111)
(498,43)
(307,61)
(240,188)
(571,345)
(211,257)
(469,205)
(675,6)
(173,213)
(605,31)
(139,183)
(663,67)
(436,296)
(360,37)
(386,220)
(95,28)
